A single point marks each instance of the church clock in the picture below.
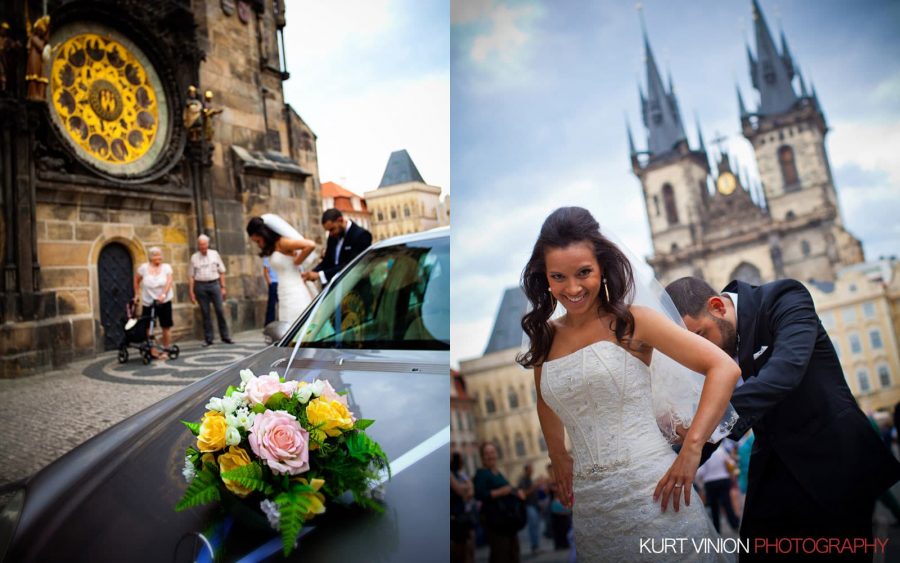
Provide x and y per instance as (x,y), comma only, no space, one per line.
(726,183)
(107,100)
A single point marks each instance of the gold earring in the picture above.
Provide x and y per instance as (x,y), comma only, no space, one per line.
(606,290)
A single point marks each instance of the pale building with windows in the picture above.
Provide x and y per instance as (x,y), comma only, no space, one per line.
(861,312)
(403,203)
(463,434)
(504,394)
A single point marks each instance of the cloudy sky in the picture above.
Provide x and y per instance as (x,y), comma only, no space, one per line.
(371,77)
(540,93)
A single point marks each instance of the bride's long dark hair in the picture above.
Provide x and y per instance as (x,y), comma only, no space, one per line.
(258,227)
(564,227)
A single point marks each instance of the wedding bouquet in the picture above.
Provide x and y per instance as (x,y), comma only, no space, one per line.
(287,447)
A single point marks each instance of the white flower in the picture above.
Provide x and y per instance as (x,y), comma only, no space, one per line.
(246,375)
(215,404)
(245,419)
(232,436)
(304,394)
(229,404)
(317,387)
(189,472)
(232,420)
(239,397)
(270,509)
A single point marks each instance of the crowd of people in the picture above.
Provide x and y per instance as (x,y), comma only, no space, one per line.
(291,268)
(487,509)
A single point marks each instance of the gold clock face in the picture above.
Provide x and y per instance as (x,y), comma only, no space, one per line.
(726,183)
(107,100)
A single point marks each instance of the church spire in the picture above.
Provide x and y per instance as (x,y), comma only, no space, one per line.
(700,134)
(631,150)
(741,106)
(660,108)
(771,72)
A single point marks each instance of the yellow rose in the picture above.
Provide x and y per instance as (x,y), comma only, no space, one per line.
(235,457)
(332,415)
(212,432)
(207,458)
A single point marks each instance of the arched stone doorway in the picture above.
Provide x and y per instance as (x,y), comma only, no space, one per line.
(115,278)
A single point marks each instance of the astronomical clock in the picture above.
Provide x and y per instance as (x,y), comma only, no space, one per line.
(107,101)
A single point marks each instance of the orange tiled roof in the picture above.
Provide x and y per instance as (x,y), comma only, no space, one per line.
(330,189)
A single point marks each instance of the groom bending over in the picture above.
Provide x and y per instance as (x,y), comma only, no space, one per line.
(346,241)
(816,466)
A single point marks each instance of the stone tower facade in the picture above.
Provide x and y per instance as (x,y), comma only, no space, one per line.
(104,154)
(788,226)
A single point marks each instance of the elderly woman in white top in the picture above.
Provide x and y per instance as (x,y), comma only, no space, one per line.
(153,282)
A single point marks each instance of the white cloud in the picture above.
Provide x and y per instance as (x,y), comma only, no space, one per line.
(363,127)
(469,339)
(873,146)
(499,52)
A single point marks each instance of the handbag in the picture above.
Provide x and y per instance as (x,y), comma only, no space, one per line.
(506,515)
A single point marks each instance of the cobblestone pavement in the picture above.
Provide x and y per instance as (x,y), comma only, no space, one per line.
(44,416)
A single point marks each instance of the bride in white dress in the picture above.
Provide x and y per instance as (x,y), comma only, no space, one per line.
(594,382)
(287,251)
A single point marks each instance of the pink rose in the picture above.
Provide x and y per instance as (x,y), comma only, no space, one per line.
(279,440)
(329,393)
(259,389)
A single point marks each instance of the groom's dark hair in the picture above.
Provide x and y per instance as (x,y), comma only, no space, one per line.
(690,296)
(331,215)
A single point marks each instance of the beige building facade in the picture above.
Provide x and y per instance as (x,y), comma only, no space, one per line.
(860,312)
(403,203)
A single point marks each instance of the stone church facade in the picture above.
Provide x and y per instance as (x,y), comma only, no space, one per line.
(790,226)
(106,151)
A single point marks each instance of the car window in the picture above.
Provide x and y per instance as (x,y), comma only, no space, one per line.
(397,297)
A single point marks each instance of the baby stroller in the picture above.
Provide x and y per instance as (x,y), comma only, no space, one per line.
(139,335)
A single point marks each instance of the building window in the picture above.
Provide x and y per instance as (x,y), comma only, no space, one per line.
(788,167)
(848,314)
(837,347)
(406,211)
(380,215)
(869,310)
(520,446)
(489,406)
(855,344)
(656,204)
(827,320)
(669,202)
(393,213)
(790,215)
(875,339)
(863,377)
(513,398)
(884,376)
(805,248)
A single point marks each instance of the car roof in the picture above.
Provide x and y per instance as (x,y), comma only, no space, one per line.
(439,232)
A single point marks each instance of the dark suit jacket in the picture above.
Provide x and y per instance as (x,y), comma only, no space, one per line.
(356,239)
(795,398)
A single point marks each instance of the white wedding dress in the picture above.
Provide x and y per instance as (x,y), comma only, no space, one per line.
(602,395)
(294,295)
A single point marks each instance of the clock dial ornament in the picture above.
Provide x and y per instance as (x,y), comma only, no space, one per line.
(107,100)
(726,183)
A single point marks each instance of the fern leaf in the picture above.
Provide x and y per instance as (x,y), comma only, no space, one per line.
(203,489)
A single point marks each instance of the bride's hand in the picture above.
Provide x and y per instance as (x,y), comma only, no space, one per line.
(563,468)
(678,478)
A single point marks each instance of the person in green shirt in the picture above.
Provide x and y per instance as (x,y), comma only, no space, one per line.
(490,487)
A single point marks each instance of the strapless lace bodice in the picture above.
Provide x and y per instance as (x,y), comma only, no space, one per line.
(602,395)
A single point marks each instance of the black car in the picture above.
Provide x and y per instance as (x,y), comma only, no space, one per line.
(381,331)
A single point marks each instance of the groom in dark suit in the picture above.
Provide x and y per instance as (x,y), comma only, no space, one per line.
(817,466)
(346,241)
